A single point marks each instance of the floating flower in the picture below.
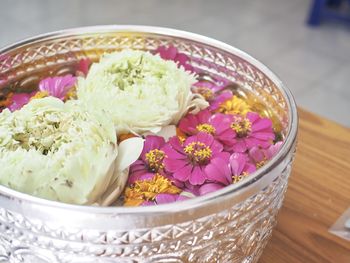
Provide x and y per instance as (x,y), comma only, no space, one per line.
(212,93)
(18,100)
(260,156)
(172,53)
(234,105)
(170,198)
(187,161)
(60,152)
(240,166)
(223,172)
(251,131)
(145,192)
(141,92)
(150,161)
(83,66)
(57,86)
(218,174)
(217,125)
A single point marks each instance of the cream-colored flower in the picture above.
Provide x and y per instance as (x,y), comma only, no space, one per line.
(141,92)
(61,152)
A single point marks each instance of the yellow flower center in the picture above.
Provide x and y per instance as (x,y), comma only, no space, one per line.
(198,152)
(234,106)
(39,95)
(155,159)
(236,179)
(241,126)
(260,164)
(71,94)
(147,190)
(207,93)
(205,127)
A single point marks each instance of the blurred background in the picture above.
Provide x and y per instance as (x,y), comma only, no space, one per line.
(314,62)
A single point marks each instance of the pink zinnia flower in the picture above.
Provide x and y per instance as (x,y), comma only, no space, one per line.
(218,174)
(155,190)
(83,66)
(217,125)
(172,53)
(170,198)
(188,161)
(57,86)
(161,199)
(19,100)
(260,156)
(240,166)
(150,161)
(251,131)
(223,172)
(212,93)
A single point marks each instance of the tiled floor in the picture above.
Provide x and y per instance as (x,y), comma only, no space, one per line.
(313,62)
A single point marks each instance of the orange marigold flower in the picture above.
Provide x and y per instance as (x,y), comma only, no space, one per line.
(40,95)
(147,190)
(234,106)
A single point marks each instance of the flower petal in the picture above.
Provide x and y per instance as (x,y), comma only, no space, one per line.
(19,100)
(197,176)
(209,187)
(165,198)
(240,146)
(262,124)
(128,152)
(183,173)
(173,165)
(217,170)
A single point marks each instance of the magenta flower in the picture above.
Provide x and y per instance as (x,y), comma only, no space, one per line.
(251,131)
(150,161)
(57,86)
(83,66)
(217,125)
(19,100)
(170,198)
(189,160)
(218,174)
(210,187)
(172,53)
(213,93)
(240,166)
(161,199)
(223,172)
(260,156)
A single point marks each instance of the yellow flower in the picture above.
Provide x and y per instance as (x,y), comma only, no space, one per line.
(147,190)
(71,94)
(234,106)
(40,95)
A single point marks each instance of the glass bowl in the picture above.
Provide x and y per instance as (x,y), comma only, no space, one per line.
(229,225)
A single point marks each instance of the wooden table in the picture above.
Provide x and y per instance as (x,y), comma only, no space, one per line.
(318,193)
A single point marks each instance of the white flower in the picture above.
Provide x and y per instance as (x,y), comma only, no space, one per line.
(141,92)
(60,152)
